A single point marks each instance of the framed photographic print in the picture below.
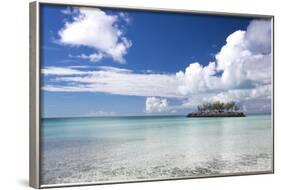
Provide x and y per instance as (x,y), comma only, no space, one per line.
(131,94)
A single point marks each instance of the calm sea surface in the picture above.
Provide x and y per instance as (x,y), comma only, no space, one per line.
(76,150)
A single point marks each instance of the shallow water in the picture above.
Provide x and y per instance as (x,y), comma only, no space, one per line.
(78,150)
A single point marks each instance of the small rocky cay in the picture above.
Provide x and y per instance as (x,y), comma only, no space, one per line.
(217,109)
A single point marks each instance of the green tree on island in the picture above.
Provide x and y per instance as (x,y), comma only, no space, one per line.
(218,107)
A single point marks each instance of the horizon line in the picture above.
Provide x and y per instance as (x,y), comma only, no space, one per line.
(116,116)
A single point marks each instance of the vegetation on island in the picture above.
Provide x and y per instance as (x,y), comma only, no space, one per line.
(217,109)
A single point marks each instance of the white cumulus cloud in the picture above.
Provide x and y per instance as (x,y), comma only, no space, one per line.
(96,29)
(242,62)
(154,104)
(197,78)
(246,62)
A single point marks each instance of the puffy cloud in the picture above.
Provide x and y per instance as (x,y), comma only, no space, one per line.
(246,57)
(154,104)
(258,36)
(96,29)
(197,78)
(243,63)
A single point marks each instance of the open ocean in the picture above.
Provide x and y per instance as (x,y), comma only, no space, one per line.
(108,149)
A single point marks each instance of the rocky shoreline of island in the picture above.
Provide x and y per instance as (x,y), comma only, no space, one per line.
(216,114)
(217,109)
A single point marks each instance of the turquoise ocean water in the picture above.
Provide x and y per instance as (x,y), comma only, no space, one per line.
(77,150)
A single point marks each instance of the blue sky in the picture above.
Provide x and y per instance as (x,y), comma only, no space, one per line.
(105,62)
